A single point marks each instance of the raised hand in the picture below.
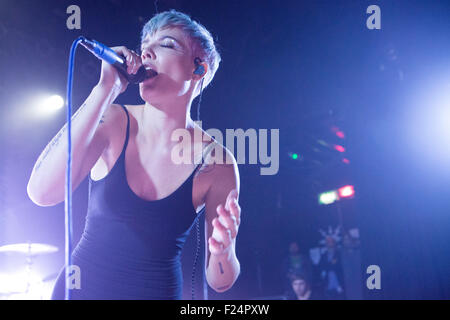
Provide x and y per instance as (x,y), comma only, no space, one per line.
(225,225)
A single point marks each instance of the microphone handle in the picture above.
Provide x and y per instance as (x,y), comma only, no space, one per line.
(119,62)
(140,75)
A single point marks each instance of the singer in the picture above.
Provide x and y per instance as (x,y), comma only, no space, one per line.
(142,205)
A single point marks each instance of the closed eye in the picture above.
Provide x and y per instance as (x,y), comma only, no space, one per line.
(163,44)
(139,51)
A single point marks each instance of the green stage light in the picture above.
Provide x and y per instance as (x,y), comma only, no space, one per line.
(328,197)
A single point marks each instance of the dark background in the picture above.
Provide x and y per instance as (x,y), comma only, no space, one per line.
(298,66)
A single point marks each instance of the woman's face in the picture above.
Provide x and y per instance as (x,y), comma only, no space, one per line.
(169,52)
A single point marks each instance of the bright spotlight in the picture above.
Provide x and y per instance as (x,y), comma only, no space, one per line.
(49,105)
(428,125)
(54,103)
(23,285)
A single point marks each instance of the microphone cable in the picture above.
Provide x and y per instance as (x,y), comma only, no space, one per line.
(198,215)
(68,186)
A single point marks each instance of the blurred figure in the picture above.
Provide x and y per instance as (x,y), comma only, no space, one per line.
(351,264)
(294,264)
(300,289)
(331,271)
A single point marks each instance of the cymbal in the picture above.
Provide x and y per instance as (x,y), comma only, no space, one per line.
(50,277)
(29,248)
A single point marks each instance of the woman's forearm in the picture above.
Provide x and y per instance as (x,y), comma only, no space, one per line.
(222,271)
(46,184)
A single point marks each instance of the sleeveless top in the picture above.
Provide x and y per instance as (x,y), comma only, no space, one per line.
(131,247)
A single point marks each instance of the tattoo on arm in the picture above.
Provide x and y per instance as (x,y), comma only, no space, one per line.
(221,268)
(223,288)
(49,147)
(55,141)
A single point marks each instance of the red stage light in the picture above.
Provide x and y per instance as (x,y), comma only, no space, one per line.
(346,191)
(339,148)
(340,134)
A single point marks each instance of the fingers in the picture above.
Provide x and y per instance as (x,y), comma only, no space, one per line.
(235,210)
(228,219)
(215,247)
(231,204)
(224,233)
(226,225)
(133,60)
(232,195)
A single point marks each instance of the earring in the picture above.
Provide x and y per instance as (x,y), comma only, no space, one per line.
(200,69)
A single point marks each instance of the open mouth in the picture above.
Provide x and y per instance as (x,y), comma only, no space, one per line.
(150,73)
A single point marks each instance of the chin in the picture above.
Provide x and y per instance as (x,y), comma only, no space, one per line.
(145,93)
(148,98)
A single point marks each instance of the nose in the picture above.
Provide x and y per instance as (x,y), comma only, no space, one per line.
(147,53)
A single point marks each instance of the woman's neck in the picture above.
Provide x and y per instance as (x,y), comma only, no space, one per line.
(160,124)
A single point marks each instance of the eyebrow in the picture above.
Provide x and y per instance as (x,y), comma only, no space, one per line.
(163,37)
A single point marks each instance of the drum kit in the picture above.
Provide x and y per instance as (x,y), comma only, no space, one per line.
(26,285)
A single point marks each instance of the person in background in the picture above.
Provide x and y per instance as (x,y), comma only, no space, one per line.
(331,271)
(295,263)
(300,289)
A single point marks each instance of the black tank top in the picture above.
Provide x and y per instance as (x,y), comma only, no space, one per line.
(131,247)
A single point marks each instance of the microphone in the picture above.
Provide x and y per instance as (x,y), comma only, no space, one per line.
(119,62)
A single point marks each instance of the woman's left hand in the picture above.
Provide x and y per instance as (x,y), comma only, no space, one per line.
(226,228)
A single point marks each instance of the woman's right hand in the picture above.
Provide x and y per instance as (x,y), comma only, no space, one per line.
(110,77)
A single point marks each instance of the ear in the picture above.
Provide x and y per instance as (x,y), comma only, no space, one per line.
(201,65)
(205,67)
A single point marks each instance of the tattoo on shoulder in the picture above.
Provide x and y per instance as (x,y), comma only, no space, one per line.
(205,168)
